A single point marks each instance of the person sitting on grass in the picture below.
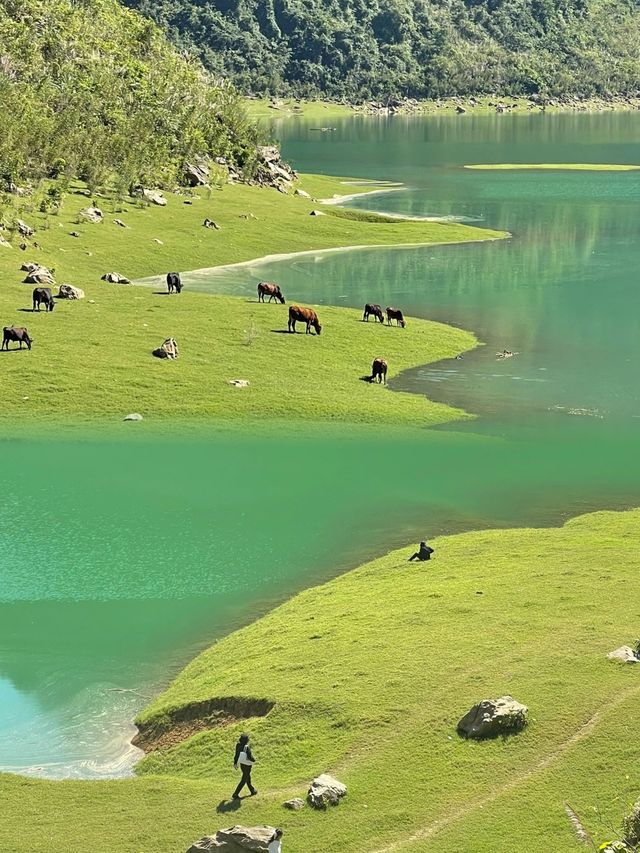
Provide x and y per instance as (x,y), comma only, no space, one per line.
(424,553)
(275,843)
(244,760)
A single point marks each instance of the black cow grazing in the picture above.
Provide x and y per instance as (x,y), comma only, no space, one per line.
(395,314)
(174,283)
(43,296)
(15,333)
(304,315)
(265,288)
(379,371)
(373,310)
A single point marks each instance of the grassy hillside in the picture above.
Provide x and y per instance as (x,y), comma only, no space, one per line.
(89,89)
(369,674)
(424,48)
(93,359)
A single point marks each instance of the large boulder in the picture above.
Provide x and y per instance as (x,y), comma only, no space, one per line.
(92,214)
(236,839)
(154,197)
(271,170)
(39,275)
(325,791)
(197,173)
(115,278)
(491,718)
(68,291)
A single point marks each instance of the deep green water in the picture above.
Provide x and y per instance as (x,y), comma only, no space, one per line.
(121,559)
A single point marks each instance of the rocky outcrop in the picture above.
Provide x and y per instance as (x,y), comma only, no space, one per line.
(23,229)
(92,214)
(325,791)
(115,278)
(39,275)
(625,654)
(272,171)
(68,291)
(236,839)
(491,718)
(197,173)
(168,349)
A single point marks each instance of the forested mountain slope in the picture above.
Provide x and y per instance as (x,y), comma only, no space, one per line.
(358,49)
(90,89)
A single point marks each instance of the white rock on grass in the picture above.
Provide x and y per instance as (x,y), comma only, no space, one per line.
(325,791)
(625,654)
(115,278)
(68,291)
(295,804)
(134,416)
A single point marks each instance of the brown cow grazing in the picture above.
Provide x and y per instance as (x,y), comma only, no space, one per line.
(304,315)
(373,310)
(15,333)
(379,371)
(174,282)
(395,314)
(266,288)
(43,296)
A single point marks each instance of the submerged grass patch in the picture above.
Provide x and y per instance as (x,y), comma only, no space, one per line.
(369,675)
(565,167)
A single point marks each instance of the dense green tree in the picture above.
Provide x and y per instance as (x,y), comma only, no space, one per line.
(90,89)
(358,49)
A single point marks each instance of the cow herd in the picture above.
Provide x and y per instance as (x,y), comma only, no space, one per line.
(297,314)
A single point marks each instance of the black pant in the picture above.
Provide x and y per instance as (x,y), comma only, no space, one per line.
(246,780)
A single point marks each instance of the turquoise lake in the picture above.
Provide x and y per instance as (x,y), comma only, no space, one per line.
(122,559)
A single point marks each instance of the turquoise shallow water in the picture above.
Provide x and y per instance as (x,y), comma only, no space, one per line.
(121,559)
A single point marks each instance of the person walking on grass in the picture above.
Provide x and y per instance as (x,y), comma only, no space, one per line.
(275,843)
(244,761)
(423,553)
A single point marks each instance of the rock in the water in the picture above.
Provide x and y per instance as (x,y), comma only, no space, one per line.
(625,654)
(68,291)
(295,804)
(134,416)
(236,839)
(154,197)
(115,278)
(491,718)
(302,193)
(39,275)
(325,791)
(168,349)
(92,214)
(23,229)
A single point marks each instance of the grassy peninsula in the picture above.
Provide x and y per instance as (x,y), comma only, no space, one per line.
(369,674)
(92,359)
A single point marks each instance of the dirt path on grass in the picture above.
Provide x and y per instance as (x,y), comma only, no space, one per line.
(577,737)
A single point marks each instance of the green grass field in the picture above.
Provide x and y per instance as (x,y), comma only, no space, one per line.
(91,359)
(564,167)
(369,674)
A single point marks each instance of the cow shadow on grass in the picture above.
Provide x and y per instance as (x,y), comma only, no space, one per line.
(284,332)
(161,293)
